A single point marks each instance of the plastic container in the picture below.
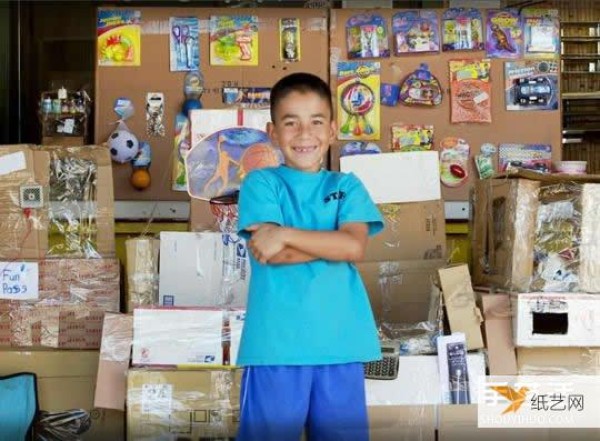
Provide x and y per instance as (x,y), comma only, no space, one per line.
(571,167)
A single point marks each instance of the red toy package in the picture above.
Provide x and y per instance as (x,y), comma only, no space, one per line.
(470,91)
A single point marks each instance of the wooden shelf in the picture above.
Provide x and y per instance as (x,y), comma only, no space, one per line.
(579,23)
(581,57)
(581,96)
(579,39)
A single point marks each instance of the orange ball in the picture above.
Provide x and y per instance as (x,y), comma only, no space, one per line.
(140,179)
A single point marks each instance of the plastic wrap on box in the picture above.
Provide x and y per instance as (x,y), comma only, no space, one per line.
(55,326)
(589,271)
(24,229)
(70,281)
(142,272)
(81,215)
(503,226)
(557,238)
(558,361)
(186,337)
(56,202)
(202,404)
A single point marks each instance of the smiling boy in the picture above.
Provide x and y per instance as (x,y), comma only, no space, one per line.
(309,326)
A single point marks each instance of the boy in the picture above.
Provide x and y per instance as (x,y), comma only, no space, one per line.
(309,326)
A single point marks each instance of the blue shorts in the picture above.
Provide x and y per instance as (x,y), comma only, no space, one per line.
(278,402)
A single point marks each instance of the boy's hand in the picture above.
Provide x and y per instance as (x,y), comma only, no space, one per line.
(267,241)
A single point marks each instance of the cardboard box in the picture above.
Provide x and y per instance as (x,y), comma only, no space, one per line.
(81,222)
(418,382)
(505,235)
(55,326)
(203,269)
(556,319)
(497,324)
(402,423)
(400,291)
(459,298)
(186,337)
(176,404)
(413,231)
(504,225)
(142,272)
(397,177)
(66,380)
(558,361)
(459,423)
(115,355)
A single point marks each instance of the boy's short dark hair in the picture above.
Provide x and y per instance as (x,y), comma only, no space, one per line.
(300,82)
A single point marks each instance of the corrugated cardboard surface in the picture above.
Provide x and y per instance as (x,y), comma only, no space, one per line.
(142,272)
(459,298)
(66,380)
(193,404)
(26,234)
(23,237)
(413,231)
(402,423)
(503,231)
(400,291)
(558,361)
(498,334)
(589,272)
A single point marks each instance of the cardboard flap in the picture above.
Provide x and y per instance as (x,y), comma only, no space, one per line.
(459,297)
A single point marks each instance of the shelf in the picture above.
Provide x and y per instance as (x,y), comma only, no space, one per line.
(581,95)
(580,72)
(581,57)
(579,39)
(578,23)
(580,130)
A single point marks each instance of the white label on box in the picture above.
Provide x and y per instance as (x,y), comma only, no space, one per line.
(20,280)
(12,162)
(157,398)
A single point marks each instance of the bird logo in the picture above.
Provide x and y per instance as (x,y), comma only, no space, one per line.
(516,397)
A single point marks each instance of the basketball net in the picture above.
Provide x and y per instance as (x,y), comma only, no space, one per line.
(225,210)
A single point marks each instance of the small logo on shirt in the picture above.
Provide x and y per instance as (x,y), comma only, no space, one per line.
(335,196)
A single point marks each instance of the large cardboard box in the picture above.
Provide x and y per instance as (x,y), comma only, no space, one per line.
(170,404)
(558,361)
(203,269)
(402,423)
(76,215)
(556,319)
(413,231)
(419,383)
(400,291)
(526,214)
(66,380)
(196,337)
(142,272)
(504,225)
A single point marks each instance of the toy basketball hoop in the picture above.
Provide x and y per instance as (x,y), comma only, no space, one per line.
(225,210)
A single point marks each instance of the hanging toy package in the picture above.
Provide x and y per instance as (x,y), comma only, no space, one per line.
(411,137)
(462,29)
(421,88)
(415,31)
(542,35)
(155,108)
(358,89)
(122,143)
(504,37)
(289,39)
(484,162)
(454,161)
(470,91)
(367,37)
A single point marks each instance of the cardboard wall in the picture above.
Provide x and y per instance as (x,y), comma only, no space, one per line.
(154,75)
(515,126)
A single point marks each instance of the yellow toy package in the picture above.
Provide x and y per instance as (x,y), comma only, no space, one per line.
(119,38)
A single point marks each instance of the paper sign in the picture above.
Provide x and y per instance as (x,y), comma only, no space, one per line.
(19,280)
(397,177)
(12,162)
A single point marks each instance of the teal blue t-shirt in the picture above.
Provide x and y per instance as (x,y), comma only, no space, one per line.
(310,313)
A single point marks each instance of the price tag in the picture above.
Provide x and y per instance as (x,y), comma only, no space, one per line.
(19,280)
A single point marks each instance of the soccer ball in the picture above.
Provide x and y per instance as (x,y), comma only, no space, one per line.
(123,146)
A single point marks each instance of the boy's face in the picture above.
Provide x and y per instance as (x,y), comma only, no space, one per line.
(303,129)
